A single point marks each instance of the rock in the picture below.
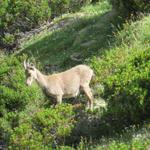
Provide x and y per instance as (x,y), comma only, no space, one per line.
(100,103)
(89,43)
(76,57)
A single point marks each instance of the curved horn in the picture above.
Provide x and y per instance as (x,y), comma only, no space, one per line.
(25,64)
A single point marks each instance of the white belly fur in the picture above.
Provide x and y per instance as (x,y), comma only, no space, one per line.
(71,95)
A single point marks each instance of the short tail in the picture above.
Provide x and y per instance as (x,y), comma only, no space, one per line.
(93,75)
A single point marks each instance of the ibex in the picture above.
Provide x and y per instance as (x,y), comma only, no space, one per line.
(66,84)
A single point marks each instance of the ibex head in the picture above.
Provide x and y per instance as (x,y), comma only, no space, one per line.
(30,72)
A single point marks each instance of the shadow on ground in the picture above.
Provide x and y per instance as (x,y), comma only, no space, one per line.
(93,128)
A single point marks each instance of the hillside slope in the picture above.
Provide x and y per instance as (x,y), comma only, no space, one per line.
(83,33)
(118,52)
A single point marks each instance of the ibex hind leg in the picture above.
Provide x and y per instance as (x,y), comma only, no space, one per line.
(89,94)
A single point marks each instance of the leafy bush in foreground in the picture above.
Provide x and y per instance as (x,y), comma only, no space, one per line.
(128,89)
(125,73)
(48,128)
(14,94)
(24,137)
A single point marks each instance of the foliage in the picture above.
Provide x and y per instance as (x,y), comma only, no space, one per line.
(131,5)
(19,16)
(76,5)
(24,137)
(122,68)
(128,87)
(5,130)
(59,6)
(131,138)
(124,72)
(46,129)
(137,144)
(54,124)
(80,28)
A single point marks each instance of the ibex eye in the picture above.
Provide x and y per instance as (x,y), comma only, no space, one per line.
(31,68)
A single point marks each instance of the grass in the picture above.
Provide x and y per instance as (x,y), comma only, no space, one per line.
(89,32)
(133,138)
(134,37)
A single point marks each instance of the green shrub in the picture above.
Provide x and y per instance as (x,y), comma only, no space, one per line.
(46,129)
(65,148)
(19,16)
(5,130)
(131,5)
(8,39)
(124,72)
(128,87)
(24,137)
(54,124)
(58,7)
(23,15)
(15,96)
(76,5)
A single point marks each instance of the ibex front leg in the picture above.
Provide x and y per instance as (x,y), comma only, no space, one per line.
(59,99)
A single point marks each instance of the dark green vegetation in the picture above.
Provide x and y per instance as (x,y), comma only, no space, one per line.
(19,16)
(132,6)
(87,32)
(117,50)
(126,69)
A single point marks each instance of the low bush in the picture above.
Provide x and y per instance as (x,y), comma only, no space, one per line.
(59,7)
(132,6)
(128,88)
(124,72)
(55,124)
(5,130)
(24,137)
(76,5)
(46,129)
(19,16)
